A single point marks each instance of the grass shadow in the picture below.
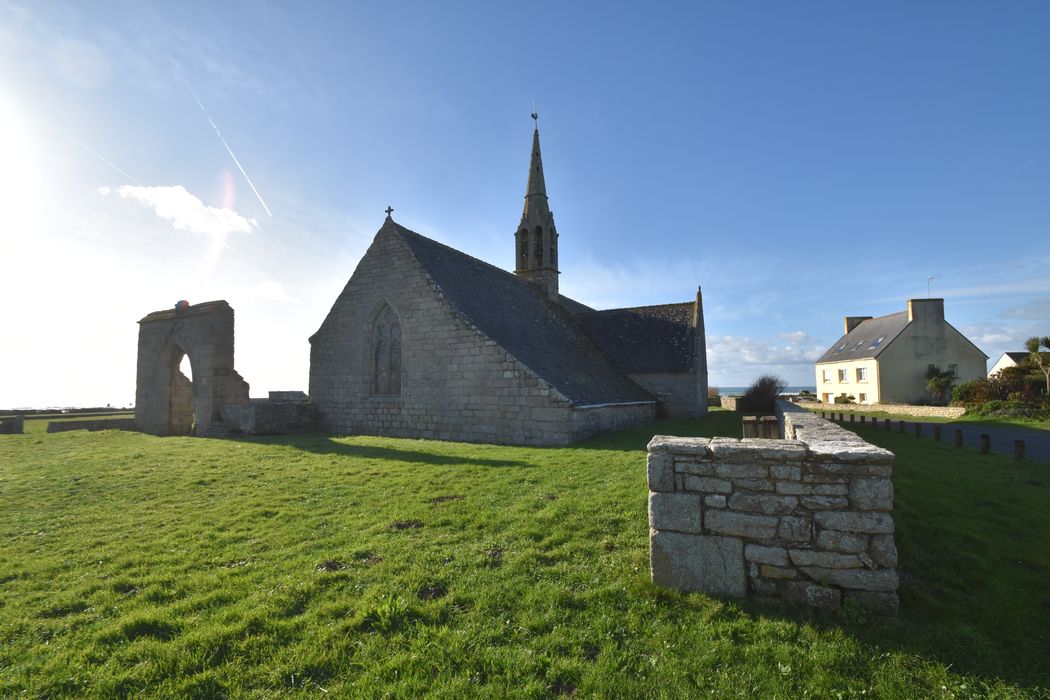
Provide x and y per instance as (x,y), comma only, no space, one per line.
(323,444)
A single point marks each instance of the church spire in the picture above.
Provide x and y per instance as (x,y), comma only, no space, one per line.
(536,241)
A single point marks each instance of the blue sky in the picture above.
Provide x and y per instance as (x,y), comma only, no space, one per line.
(800,161)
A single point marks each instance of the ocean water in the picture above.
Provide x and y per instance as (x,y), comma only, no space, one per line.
(739,390)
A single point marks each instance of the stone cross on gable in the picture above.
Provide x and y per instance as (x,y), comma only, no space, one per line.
(389,211)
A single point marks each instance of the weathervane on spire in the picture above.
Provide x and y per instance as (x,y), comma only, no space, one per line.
(535,115)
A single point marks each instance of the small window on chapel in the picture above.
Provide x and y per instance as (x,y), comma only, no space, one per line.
(386,354)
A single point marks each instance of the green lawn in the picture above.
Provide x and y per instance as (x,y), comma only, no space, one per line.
(135,565)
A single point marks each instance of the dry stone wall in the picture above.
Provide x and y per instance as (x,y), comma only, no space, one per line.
(902,409)
(61,426)
(805,520)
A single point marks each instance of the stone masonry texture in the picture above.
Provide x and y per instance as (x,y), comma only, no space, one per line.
(806,520)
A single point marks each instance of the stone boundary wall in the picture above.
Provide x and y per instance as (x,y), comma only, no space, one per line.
(12,425)
(805,520)
(903,409)
(729,402)
(61,426)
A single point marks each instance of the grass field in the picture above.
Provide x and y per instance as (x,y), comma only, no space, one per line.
(360,567)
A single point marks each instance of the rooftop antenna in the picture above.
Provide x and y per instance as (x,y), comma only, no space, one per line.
(929,279)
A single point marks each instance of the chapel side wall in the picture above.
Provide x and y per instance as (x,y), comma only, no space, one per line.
(588,422)
(805,520)
(456,384)
(677,393)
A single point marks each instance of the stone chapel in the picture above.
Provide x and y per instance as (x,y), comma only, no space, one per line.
(428,342)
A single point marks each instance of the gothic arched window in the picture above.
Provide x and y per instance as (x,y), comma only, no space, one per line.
(386,354)
(538,245)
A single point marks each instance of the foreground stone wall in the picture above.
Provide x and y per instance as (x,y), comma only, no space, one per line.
(805,520)
(903,409)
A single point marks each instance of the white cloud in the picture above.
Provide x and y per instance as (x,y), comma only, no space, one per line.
(794,349)
(184,210)
(1037,309)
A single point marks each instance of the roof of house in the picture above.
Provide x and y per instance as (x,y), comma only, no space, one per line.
(867,339)
(645,339)
(541,335)
(1017,357)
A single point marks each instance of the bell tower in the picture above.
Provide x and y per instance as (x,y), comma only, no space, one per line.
(536,241)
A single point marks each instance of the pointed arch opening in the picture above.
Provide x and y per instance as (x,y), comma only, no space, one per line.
(181,404)
(386,353)
(537,246)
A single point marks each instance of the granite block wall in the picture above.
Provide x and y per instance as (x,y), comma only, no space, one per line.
(805,520)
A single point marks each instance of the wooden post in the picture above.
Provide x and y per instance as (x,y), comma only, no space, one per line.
(986,443)
(1018,449)
(852,416)
(900,426)
(862,418)
(958,437)
(770,427)
(918,429)
(750,424)
(842,417)
(886,423)
(936,433)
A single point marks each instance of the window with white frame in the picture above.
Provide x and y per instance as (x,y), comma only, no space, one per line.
(843,377)
(826,375)
(862,397)
(862,374)
(953,370)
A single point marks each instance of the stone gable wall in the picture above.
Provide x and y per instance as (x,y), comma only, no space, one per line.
(456,383)
(678,393)
(805,520)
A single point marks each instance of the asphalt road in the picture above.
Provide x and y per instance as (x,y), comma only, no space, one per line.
(1036,442)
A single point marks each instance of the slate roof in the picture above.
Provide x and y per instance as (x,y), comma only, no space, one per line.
(541,335)
(645,339)
(1017,357)
(858,342)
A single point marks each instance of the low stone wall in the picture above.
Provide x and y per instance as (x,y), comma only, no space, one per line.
(272,417)
(902,409)
(805,520)
(12,425)
(729,402)
(61,426)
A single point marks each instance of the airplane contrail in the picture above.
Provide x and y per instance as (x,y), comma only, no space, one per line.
(108,162)
(229,150)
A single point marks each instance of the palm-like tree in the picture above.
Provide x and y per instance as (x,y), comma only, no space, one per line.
(1038,358)
(938,383)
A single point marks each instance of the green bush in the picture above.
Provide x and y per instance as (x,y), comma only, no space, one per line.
(970,394)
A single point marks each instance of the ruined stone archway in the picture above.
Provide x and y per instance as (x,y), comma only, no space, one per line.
(166,401)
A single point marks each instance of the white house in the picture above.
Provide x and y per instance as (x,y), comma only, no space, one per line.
(885,359)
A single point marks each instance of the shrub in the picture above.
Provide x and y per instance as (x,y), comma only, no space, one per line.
(762,394)
(971,394)
(845,398)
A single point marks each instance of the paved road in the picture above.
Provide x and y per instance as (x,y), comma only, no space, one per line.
(1036,442)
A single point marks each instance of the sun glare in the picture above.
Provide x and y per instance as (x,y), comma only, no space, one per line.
(19,175)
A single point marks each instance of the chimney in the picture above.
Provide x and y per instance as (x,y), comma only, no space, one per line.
(926,310)
(854,321)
